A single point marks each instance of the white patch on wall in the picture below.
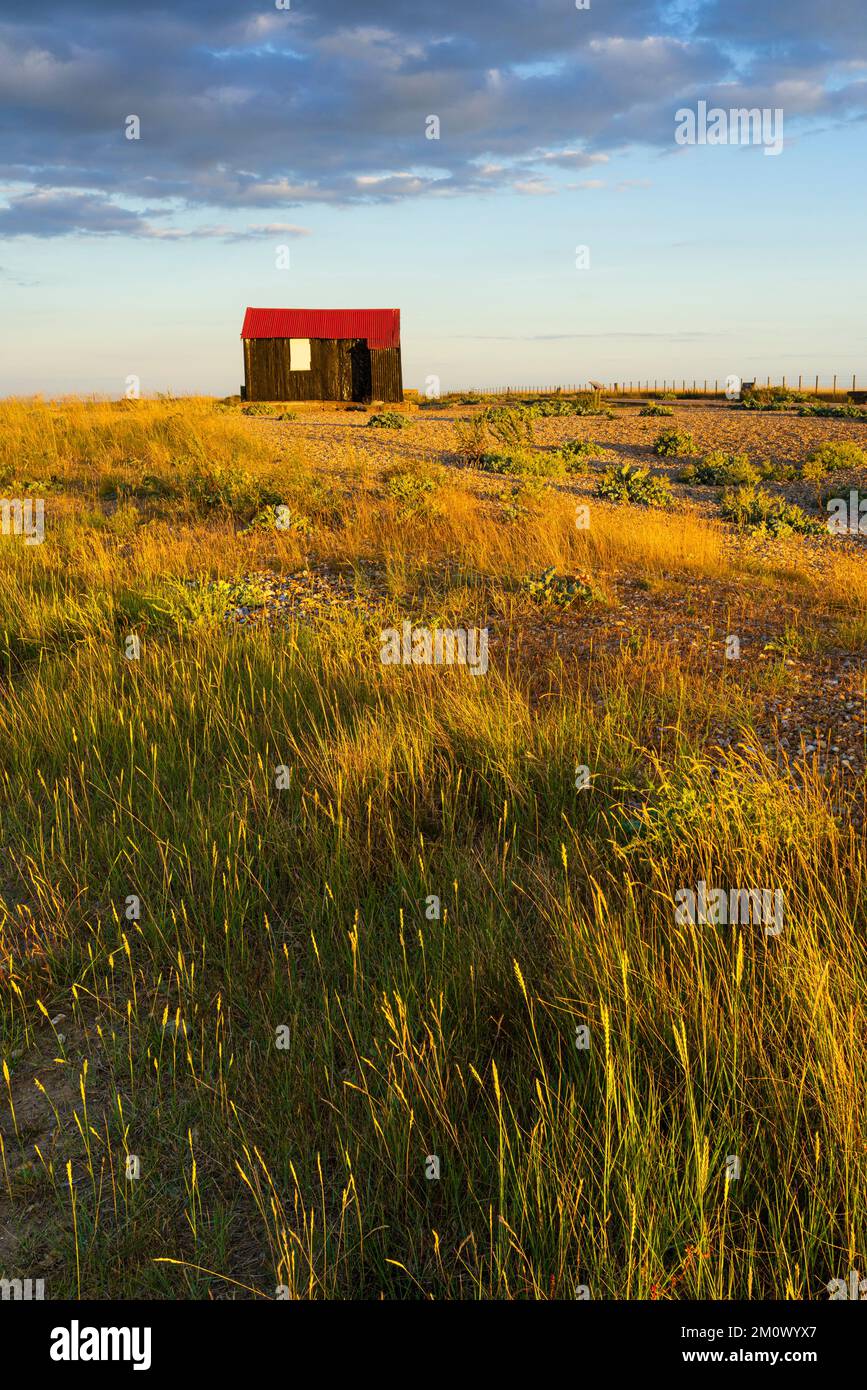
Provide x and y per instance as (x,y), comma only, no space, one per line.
(299,354)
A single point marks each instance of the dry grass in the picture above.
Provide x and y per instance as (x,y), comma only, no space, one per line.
(308,906)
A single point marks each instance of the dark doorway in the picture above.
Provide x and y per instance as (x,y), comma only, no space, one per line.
(362,386)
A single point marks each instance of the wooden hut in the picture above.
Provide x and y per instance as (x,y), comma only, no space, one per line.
(322,355)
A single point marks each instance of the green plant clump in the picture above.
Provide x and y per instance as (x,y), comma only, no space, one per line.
(559,590)
(673,443)
(751,508)
(521,462)
(411,490)
(834,412)
(278,518)
(719,469)
(512,427)
(834,457)
(770,398)
(636,485)
(274,412)
(388,420)
(575,451)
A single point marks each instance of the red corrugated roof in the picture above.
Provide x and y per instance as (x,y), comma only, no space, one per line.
(381,327)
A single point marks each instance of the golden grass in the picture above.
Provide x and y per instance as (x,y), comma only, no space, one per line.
(179,908)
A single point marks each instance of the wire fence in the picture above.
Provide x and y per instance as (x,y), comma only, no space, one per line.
(832,387)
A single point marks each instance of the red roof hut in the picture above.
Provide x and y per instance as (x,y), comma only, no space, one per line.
(322,355)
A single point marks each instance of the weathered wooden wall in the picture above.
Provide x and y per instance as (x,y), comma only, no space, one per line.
(268,378)
(341,369)
(386,375)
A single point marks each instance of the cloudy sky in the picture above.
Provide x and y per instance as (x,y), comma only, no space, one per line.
(263,128)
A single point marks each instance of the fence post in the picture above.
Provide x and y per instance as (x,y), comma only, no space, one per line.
(817,386)
(835,384)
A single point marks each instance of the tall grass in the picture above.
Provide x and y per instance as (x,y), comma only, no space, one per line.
(284,1000)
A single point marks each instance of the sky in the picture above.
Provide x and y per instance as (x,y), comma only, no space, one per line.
(556,231)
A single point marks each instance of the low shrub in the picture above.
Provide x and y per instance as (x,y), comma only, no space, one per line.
(636,485)
(719,469)
(552,407)
(202,602)
(559,590)
(388,420)
(511,426)
(834,412)
(411,490)
(277,517)
(274,412)
(586,403)
(834,457)
(522,462)
(470,439)
(770,398)
(575,451)
(230,490)
(512,499)
(749,507)
(673,443)
(779,472)
(592,405)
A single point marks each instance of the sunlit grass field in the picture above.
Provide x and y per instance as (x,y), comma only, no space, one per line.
(280,925)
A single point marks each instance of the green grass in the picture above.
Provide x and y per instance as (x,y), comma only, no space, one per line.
(306,908)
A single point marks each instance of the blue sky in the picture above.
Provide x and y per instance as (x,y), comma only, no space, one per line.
(305,128)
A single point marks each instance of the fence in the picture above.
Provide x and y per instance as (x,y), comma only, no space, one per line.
(639,388)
